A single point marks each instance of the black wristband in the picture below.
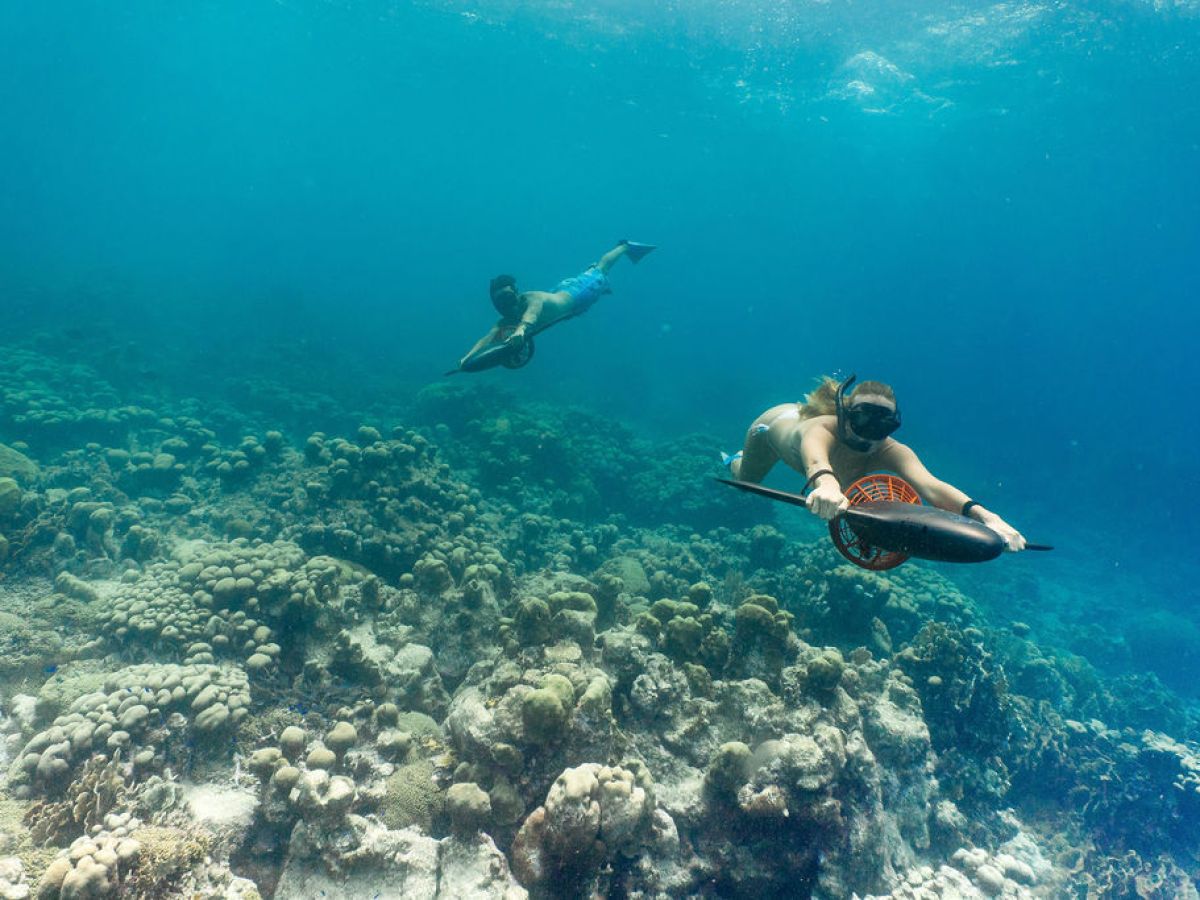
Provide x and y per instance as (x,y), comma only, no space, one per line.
(812,479)
(966,508)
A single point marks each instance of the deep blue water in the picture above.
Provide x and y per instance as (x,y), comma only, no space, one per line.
(994,207)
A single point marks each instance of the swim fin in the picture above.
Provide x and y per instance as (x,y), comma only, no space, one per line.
(636,251)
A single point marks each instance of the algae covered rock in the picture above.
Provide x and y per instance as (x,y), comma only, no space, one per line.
(533,621)
(17,466)
(468,807)
(323,798)
(573,617)
(728,770)
(10,498)
(763,642)
(26,646)
(546,710)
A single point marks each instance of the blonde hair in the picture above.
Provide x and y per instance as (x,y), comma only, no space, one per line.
(823,400)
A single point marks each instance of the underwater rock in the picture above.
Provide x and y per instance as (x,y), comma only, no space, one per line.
(468,806)
(394,865)
(532,721)
(591,812)
(12,879)
(967,708)
(25,648)
(10,498)
(763,642)
(18,467)
(473,867)
(728,770)
(407,674)
(321,798)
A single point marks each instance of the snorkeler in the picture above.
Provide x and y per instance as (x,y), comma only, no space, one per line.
(523,315)
(835,437)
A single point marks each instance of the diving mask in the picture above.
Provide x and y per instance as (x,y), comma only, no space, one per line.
(860,425)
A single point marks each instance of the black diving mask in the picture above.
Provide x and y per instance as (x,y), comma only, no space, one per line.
(863,424)
(508,303)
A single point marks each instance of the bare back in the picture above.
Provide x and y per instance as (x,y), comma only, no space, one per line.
(551,308)
(781,433)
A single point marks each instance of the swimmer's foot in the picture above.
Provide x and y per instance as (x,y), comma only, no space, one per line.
(636,251)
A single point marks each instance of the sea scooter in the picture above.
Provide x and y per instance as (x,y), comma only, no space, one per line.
(504,352)
(886,525)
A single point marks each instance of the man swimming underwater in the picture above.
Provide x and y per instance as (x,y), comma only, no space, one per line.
(523,315)
(835,437)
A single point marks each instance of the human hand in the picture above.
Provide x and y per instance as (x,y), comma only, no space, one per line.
(1014,541)
(826,499)
(517,338)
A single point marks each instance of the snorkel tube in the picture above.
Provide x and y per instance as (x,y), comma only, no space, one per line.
(854,442)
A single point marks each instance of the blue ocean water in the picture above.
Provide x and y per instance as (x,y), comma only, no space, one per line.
(994,207)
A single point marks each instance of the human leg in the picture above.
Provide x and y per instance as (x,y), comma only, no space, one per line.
(607,261)
(758,454)
(634,250)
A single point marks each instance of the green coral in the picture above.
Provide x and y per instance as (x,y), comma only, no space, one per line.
(700,593)
(648,625)
(561,687)
(632,575)
(412,797)
(546,710)
(419,725)
(825,670)
(684,637)
(684,632)
(761,618)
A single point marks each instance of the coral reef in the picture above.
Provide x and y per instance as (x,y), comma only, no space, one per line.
(509,650)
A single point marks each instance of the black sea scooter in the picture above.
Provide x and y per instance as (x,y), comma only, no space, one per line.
(504,352)
(886,524)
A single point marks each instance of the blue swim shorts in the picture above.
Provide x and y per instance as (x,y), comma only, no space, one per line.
(585,289)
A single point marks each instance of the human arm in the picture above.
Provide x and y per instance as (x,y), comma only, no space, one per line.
(904,462)
(533,311)
(811,450)
(492,334)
